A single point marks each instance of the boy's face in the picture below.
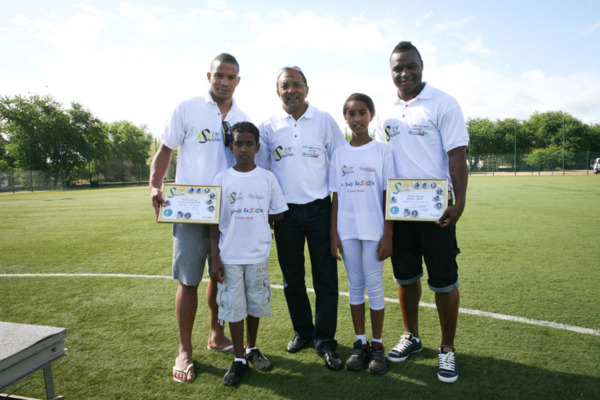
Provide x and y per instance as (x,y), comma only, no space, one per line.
(244,147)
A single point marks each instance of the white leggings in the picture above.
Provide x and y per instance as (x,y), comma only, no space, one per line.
(361,275)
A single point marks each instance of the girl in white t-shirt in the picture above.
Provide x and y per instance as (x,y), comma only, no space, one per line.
(358,175)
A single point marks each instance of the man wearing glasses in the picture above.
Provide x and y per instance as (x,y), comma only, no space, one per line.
(196,128)
(297,144)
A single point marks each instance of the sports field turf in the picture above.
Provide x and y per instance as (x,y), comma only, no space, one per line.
(529,252)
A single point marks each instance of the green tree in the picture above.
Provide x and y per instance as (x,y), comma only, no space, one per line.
(547,131)
(97,145)
(505,129)
(43,136)
(130,146)
(5,160)
(548,158)
(129,142)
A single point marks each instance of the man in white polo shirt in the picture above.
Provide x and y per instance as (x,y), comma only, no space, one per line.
(196,129)
(297,143)
(427,133)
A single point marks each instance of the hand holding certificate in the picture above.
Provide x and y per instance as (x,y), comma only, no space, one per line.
(416,199)
(190,204)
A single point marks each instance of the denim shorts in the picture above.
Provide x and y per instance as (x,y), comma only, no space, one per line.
(191,249)
(246,290)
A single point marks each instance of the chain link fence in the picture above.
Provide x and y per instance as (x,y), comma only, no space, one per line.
(110,173)
(114,173)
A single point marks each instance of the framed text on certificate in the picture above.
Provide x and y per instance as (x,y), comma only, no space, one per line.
(416,199)
(190,204)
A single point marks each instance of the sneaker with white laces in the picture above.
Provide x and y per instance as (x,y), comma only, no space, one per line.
(405,347)
(359,357)
(377,366)
(447,367)
(259,360)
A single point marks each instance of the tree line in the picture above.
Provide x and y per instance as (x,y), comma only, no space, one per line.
(544,139)
(37,133)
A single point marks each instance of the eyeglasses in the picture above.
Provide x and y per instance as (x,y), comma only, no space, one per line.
(227,136)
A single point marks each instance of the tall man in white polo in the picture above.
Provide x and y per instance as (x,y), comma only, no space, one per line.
(297,143)
(195,129)
(426,131)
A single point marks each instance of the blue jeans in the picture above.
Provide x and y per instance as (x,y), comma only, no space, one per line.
(309,222)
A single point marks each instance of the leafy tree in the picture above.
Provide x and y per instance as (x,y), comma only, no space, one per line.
(129,142)
(547,131)
(548,158)
(505,131)
(97,144)
(5,160)
(43,136)
(37,129)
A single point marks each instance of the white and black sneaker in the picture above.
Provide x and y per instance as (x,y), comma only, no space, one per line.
(447,367)
(405,347)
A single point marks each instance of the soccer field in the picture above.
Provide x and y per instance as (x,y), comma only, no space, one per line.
(96,263)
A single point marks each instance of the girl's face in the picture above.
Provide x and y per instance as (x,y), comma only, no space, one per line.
(358,117)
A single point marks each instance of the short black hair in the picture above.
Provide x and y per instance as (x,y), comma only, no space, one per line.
(360,97)
(406,46)
(294,68)
(226,58)
(246,127)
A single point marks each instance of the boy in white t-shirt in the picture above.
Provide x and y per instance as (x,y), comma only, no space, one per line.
(251,199)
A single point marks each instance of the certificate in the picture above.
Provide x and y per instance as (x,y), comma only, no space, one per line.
(416,199)
(190,204)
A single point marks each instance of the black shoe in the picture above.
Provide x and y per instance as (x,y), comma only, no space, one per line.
(296,344)
(332,360)
(234,375)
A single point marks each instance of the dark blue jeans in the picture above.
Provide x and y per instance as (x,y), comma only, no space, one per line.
(309,222)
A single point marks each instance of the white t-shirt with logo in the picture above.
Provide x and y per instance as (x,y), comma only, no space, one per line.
(359,177)
(195,130)
(421,132)
(247,199)
(298,152)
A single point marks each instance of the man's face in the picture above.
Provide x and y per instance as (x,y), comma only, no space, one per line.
(407,74)
(223,79)
(292,90)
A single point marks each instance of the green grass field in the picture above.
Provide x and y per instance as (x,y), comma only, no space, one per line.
(529,249)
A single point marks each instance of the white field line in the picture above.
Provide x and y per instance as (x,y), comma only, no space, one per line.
(511,318)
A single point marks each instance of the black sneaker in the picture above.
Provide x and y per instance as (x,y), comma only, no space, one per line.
(259,360)
(234,375)
(359,357)
(447,368)
(405,347)
(377,365)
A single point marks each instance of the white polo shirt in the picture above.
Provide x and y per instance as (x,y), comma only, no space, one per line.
(298,152)
(194,129)
(421,132)
(247,199)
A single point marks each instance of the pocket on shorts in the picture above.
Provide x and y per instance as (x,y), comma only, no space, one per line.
(222,296)
(267,291)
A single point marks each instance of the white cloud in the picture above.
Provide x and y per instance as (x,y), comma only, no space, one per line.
(146,22)
(590,30)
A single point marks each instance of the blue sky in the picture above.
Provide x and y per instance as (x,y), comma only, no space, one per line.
(135,60)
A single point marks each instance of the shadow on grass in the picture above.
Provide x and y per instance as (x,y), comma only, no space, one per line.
(488,378)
